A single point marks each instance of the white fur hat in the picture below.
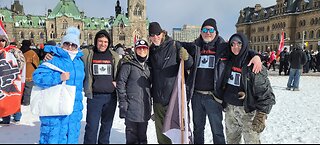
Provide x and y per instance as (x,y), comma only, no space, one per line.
(72,36)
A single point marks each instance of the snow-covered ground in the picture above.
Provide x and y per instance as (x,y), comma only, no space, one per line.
(294,119)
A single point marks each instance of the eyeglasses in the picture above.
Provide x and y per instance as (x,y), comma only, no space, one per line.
(205,30)
(152,35)
(2,40)
(68,44)
(142,48)
(234,43)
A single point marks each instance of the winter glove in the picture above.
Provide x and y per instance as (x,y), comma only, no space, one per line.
(123,107)
(184,55)
(258,123)
(242,95)
(127,58)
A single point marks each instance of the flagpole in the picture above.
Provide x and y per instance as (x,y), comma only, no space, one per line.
(182,128)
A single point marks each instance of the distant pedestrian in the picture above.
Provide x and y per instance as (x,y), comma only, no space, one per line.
(284,61)
(297,59)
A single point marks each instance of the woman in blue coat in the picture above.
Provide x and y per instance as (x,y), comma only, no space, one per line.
(63,129)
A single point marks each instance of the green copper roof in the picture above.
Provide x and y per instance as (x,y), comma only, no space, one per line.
(29,21)
(96,23)
(6,14)
(121,19)
(65,8)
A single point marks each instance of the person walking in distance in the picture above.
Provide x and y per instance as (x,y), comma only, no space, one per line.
(297,59)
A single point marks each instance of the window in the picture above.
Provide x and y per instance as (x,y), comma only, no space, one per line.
(122,37)
(52,26)
(31,35)
(64,24)
(41,35)
(21,35)
(311,34)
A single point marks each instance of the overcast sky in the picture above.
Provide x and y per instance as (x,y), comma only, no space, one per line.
(169,13)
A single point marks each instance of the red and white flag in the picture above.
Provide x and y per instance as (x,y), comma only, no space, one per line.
(2,30)
(12,80)
(176,123)
(281,45)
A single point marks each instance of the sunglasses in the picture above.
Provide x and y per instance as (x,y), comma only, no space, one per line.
(142,48)
(236,43)
(152,35)
(68,44)
(206,30)
(2,40)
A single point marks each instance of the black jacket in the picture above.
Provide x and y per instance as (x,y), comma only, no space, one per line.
(165,61)
(133,87)
(257,87)
(297,58)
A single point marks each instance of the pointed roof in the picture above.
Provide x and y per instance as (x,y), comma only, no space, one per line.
(121,19)
(65,8)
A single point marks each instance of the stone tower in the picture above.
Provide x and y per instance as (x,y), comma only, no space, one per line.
(137,15)
(129,27)
(17,7)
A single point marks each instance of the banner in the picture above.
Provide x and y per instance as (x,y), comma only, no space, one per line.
(176,124)
(11,80)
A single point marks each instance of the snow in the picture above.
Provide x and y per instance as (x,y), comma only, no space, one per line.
(294,119)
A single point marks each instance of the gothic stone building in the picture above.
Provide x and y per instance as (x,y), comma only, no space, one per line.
(124,28)
(299,19)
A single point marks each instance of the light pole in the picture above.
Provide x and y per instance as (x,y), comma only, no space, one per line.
(302,39)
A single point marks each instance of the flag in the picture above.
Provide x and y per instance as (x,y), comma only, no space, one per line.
(11,80)
(2,30)
(281,45)
(176,123)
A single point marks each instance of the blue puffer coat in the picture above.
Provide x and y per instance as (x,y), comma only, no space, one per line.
(61,129)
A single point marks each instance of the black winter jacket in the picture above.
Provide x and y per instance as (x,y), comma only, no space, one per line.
(133,87)
(297,58)
(165,61)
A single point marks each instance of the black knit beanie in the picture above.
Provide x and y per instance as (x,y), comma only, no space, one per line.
(210,22)
(154,28)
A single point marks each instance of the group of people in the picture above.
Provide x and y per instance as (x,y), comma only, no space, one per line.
(222,76)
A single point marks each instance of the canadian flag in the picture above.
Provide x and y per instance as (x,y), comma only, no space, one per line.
(281,45)
(2,30)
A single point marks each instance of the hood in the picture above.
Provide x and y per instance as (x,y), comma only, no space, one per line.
(239,59)
(102,33)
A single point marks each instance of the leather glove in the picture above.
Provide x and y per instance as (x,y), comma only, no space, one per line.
(123,107)
(184,55)
(127,58)
(242,95)
(258,123)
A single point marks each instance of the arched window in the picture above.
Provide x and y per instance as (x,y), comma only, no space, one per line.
(21,35)
(298,35)
(311,34)
(52,26)
(52,35)
(31,35)
(138,10)
(318,34)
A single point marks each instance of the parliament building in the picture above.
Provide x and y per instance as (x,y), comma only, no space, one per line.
(298,19)
(124,28)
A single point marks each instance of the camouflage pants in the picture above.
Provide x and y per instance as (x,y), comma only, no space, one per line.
(238,125)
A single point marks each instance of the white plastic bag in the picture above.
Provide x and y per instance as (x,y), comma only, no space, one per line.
(53,101)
